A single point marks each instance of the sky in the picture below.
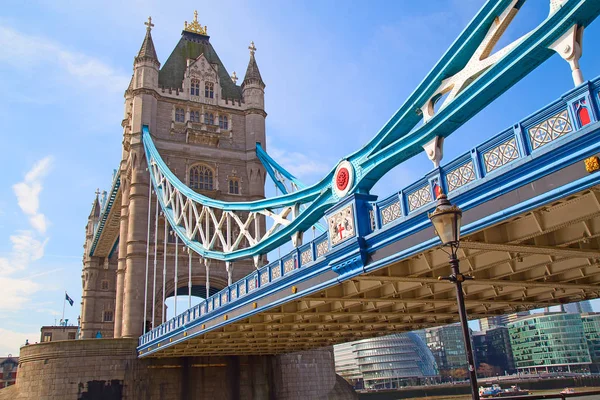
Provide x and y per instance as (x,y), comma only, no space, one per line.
(335,73)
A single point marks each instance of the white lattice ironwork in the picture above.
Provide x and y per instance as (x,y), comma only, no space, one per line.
(460,176)
(288,265)
(306,256)
(216,229)
(550,129)
(501,155)
(419,198)
(390,213)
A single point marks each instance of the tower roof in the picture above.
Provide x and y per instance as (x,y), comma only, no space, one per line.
(195,41)
(147,51)
(252,72)
(95,212)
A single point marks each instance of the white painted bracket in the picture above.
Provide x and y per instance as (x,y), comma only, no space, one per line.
(435,150)
(296,236)
(569,47)
(256,261)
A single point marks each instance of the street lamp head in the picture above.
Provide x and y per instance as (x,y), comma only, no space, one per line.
(446,219)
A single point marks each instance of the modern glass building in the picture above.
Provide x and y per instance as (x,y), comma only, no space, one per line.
(578,308)
(500,320)
(447,345)
(387,362)
(346,365)
(591,330)
(552,342)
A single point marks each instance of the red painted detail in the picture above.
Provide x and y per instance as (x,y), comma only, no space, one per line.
(341,230)
(437,190)
(584,116)
(342,179)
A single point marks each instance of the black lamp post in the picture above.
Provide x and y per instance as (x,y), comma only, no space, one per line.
(446,219)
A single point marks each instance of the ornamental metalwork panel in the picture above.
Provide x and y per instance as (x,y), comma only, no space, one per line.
(242,288)
(322,248)
(210,305)
(306,256)
(251,285)
(390,213)
(233,294)
(501,155)
(288,265)
(550,129)
(460,176)
(275,272)
(264,278)
(223,298)
(419,198)
(341,225)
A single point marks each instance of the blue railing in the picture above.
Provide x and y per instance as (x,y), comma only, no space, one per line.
(536,134)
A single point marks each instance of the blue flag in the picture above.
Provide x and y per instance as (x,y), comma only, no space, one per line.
(70,300)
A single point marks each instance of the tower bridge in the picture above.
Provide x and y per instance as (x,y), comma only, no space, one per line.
(186,215)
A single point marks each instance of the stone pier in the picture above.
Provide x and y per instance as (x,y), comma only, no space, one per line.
(108,369)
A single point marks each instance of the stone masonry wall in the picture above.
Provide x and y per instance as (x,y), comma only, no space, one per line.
(108,369)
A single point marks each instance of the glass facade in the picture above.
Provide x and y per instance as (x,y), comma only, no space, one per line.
(387,362)
(346,365)
(493,347)
(447,345)
(591,330)
(578,308)
(553,342)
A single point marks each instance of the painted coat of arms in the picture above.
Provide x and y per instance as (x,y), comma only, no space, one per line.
(341,225)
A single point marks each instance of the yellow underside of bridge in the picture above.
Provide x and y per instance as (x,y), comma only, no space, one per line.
(541,258)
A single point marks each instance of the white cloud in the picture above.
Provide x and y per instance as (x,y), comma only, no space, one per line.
(25,249)
(27,51)
(16,292)
(11,341)
(304,167)
(28,193)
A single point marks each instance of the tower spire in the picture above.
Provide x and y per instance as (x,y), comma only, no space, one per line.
(252,72)
(147,51)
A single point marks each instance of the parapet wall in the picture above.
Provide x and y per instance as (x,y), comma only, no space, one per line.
(109,369)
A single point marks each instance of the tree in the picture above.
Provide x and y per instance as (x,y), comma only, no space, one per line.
(485,370)
(459,373)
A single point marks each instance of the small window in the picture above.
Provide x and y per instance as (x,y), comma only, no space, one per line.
(201,177)
(234,186)
(209,90)
(71,335)
(108,316)
(104,285)
(223,123)
(179,115)
(47,336)
(195,88)
(209,119)
(194,116)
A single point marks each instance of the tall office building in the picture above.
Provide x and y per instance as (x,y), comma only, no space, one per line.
(578,308)
(549,342)
(447,345)
(500,320)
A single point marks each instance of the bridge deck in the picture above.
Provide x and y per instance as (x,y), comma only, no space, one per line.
(531,224)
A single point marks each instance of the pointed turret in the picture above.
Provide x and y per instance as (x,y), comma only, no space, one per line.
(147,51)
(252,72)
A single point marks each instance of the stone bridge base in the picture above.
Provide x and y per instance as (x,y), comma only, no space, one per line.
(109,369)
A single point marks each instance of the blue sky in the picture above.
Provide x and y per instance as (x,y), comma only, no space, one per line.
(335,72)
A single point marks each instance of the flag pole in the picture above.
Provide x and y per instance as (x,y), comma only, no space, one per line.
(64,303)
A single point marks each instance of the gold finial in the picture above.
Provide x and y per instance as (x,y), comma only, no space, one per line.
(195,26)
(234,77)
(252,48)
(149,24)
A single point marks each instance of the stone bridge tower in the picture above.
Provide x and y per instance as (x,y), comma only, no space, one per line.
(205,127)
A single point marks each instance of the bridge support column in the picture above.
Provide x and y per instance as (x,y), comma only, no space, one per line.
(120,286)
(133,306)
(569,47)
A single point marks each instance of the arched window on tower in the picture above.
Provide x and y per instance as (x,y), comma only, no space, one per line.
(223,123)
(195,116)
(201,177)
(209,90)
(234,186)
(209,119)
(179,115)
(195,88)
